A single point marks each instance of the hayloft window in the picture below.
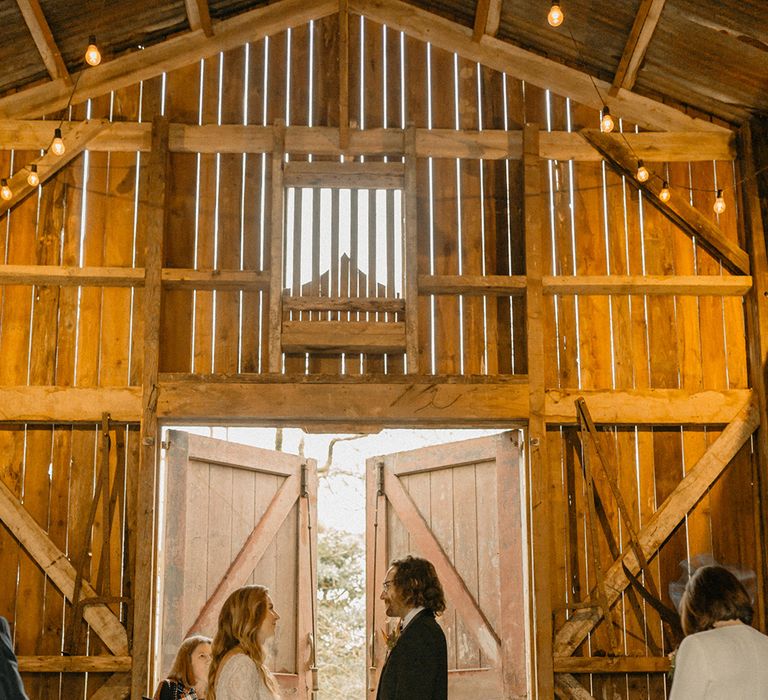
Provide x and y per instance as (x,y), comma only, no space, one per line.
(343,261)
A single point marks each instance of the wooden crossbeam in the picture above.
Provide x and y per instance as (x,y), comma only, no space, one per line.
(343,336)
(43,38)
(63,404)
(249,555)
(646,19)
(177,52)
(619,157)
(681,285)
(199,16)
(49,164)
(59,570)
(612,664)
(663,522)
(489,144)
(487,16)
(525,65)
(474,618)
(74,664)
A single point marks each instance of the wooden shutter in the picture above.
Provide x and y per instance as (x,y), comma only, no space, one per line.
(236,514)
(458,505)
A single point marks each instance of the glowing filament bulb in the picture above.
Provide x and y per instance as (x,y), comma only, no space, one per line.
(33,178)
(92,53)
(5,190)
(719,206)
(606,122)
(665,194)
(642,174)
(555,16)
(58,146)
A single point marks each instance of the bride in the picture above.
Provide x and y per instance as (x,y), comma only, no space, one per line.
(247,619)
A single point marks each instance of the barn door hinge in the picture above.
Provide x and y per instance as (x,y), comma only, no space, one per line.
(380,478)
(304,476)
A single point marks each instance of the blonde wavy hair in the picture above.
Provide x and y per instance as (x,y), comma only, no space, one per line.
(240,619)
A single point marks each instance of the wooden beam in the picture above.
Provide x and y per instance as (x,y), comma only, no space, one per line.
(367,304)
(425,542)
(681,285)
(343,74)
(647,406)
(199,16)
(402,401)
(152,61)
(65,404)
(613,664)
(261,537)
(677,209)
(350,175)
(525,65)
(343,336)
(489,285)
(661,524)
(277,193)
(541,481)
(646,19)
(411,252)
(49,164)
(181,278)
(153,223)
(59,570)
(43,38)
(489,144)
(117,687)
(481,19)
(74,664)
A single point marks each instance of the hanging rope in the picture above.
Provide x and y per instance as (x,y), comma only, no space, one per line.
(313,654)
(372,647)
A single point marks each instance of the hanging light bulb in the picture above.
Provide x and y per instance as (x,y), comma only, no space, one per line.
(642,174)
(92,53)
(555,16)
(664,193)
(33,178)
(719,206)
(5,191)
(606,121)
(58,146)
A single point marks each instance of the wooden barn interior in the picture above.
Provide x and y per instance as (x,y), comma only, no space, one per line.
(362,214)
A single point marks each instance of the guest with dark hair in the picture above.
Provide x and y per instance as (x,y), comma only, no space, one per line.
(11,687)
(721,657)
(417,665)
(188,677)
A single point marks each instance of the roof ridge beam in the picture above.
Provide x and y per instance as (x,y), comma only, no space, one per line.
(169,55)
(528,66)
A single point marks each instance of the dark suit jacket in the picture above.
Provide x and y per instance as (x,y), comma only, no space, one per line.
(417,666)
(11,687)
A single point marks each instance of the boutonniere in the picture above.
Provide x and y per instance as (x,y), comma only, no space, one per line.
(391,638)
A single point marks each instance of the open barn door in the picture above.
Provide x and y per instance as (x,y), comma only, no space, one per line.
(236,514)
(458,505)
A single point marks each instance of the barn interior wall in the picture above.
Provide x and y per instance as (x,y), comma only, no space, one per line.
(470,221)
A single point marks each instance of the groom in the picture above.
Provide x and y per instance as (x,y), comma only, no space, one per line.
(417,666)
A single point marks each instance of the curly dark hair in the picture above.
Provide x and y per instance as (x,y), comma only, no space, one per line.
(713,594)
(417,582)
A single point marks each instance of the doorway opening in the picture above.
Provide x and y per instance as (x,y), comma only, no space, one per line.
(345,596)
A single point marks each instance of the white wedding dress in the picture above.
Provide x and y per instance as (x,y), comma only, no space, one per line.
(240,680)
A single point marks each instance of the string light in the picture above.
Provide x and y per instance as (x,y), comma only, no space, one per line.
(5,191)
(58,146)
(606,121)
(719,206)
(33,178)
(665,194)
(555,16)
(92,53)
(642,173)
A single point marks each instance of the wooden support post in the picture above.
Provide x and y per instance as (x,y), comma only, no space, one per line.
(343,75)
(411,257)
(153,215)
(537,429)
(754,160)
(276,251)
